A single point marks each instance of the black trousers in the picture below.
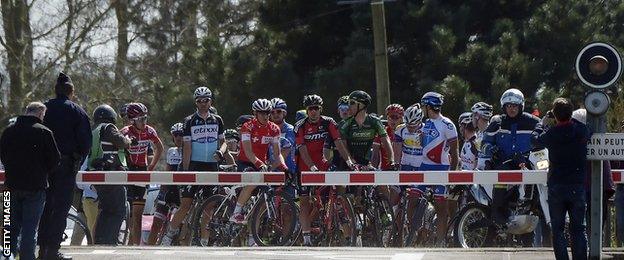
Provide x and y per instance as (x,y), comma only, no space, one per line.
(58,202)
(112,206)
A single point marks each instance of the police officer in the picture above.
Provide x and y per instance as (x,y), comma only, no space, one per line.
(107,154)
(72,132)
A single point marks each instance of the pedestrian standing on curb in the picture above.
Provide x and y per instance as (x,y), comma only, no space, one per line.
(566,140)
(72,132)
(29,153)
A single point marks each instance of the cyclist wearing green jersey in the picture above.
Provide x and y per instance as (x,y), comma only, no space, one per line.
(360,130)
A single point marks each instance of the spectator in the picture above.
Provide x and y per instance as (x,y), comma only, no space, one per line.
(70,125)
(567,144)
(30,154)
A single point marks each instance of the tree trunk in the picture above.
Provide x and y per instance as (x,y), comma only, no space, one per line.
(121,11)
(19,50)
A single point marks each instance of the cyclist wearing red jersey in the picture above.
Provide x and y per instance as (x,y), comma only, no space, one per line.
(256,136)
(394,113)
(310,136)
(142,136)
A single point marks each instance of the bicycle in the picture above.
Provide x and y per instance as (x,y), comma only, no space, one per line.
(74,221)
(333,218)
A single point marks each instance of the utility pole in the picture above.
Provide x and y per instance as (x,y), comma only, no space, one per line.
(382,76)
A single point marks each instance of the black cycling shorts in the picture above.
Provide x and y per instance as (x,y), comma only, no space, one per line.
(189,191)
(136,193)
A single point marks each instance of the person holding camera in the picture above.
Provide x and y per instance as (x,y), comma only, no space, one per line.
(108,154)
(566,140)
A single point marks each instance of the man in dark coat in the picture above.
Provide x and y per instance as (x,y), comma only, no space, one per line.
(72,131)
(29,153)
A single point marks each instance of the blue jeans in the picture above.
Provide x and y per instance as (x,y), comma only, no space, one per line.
(619,213)
(26,210)
(569,199)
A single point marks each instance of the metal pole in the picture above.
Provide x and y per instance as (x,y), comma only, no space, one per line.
(597,124)
(381,56)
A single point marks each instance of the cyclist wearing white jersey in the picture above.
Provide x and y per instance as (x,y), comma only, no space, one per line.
(407,139)
(481,114)
(468,153)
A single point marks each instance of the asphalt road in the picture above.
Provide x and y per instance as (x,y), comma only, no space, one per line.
(300,253)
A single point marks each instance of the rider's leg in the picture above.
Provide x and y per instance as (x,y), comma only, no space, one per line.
(159,218)
(243,197)
(442,211)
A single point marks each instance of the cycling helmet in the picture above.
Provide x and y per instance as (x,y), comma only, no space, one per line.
(279,103)
(104,113)
(395,109)
(413,115)
(243,119)
(136,110)
(262,105)
(512,96)
(202,92)
(312,100)
(344,100)
(483,109)
(465,118)
(433,99)
(231,134)
(301,114)
(177,128)
(360,96)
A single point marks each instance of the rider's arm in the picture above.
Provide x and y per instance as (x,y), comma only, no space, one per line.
(341,144)
(375,154)
(186,147)
(222,144)
(385,141)
(454,154)
(279,162)
(488,144)
(397,147)
(158,150)
(303,152)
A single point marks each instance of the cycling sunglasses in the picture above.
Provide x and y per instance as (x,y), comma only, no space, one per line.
(394,117)
(139,119)
(316,108)
(202,100)
(343,108)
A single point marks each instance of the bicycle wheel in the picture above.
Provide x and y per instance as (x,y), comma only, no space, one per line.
(473,227)
(276,230)
(343,230)
(384,223)
(416,221)
(203,219)
(74,222)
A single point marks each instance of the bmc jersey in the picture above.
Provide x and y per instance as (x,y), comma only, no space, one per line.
(137,153)
(437,133)
(261,136)
(468,154)
(174,157)
(360,137)
(314,136)
(383,154)
(411,148)
(204,135)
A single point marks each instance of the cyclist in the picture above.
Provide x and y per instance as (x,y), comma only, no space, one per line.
(469,150)
(439,141)
(142,135)
(394,113)
(481,114)
(311,133)
(287,140)
(232,138)
(168,194)
(507,136)
(256,136)
(204,146)
(330,148)
(407,139)
(360,130)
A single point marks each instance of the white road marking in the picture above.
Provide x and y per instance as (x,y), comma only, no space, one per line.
(103,252)
(405,256)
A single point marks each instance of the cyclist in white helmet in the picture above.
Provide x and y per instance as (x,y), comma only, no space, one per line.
(481,114)
(468,153)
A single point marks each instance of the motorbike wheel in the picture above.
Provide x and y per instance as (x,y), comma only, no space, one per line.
(473,227)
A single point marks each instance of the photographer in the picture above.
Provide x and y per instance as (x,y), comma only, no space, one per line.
(107,154)
(566,140)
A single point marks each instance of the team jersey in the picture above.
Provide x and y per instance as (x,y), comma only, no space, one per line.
(137,153)
(261,136)
(204,135)
(383,154)
(411,148)
(174,157)
(314,137)
(287,140)
(437,133)
(468,154)
(360,138)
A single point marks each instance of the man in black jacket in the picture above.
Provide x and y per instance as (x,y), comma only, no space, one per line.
(566,140)
(29,153)
(72,131)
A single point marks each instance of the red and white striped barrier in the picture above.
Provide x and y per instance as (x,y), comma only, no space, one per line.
(429,178)
(317,178)
(177,178)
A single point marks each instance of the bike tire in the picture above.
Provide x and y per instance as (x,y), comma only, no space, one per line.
(207,206)
(259,220)
(416,222)
(344,213)
(466,218)
(75,222)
